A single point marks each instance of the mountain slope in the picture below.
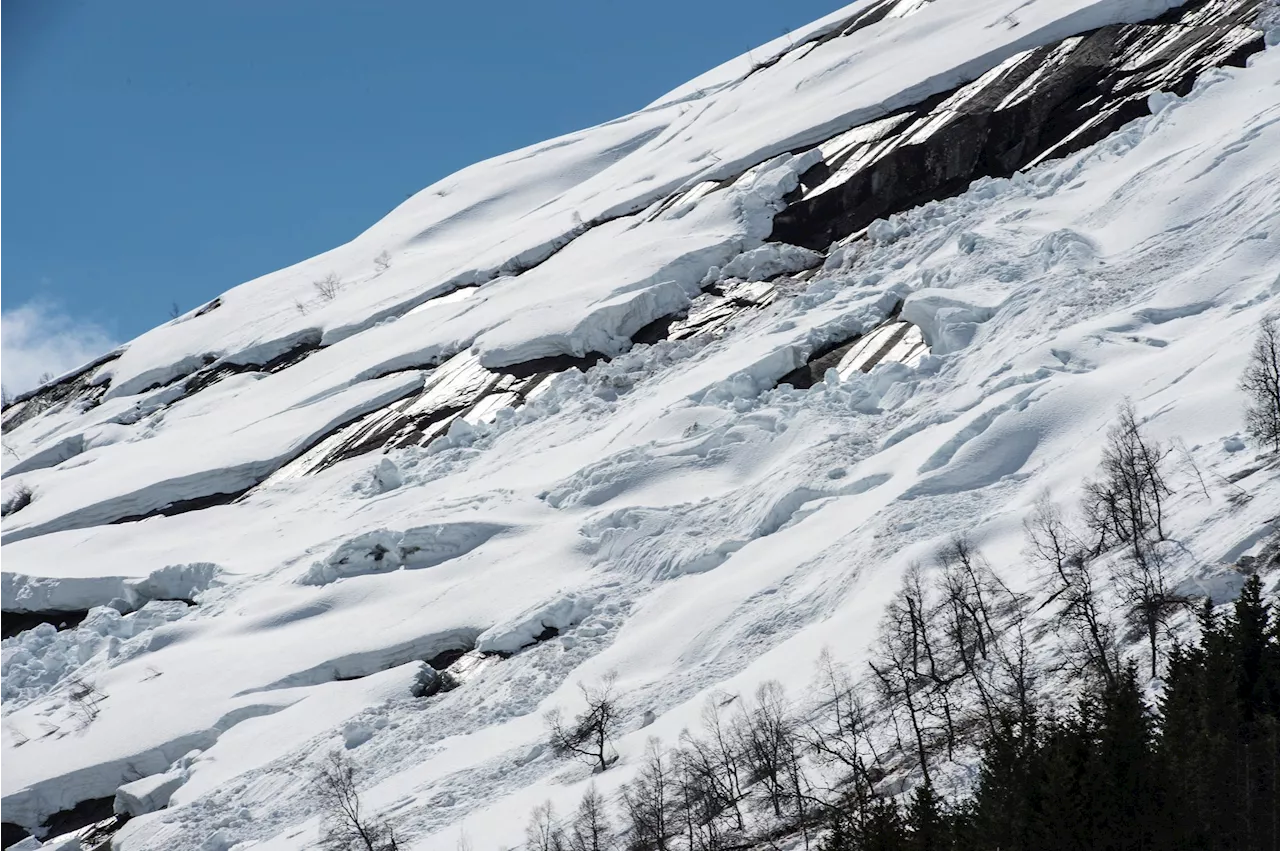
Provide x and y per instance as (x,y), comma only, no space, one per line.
(536,414)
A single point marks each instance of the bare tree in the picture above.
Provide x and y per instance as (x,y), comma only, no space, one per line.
(839,731)
(344,824)
(912,676)
(1261,383)
(767,733)
(1070,577)
(591,830)
(1020,676)
(969,611)
(174,310)
(1148,599)
(543,832)
(647,802)
(1125,503)
(328,286)
(588,735)
(21,498)
(85,699)
(699,803)
(719,762)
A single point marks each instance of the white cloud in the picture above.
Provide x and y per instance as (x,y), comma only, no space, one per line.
(40,337)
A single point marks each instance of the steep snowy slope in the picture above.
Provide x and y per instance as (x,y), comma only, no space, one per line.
(668,397)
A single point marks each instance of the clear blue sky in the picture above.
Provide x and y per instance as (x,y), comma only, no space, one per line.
(156,152)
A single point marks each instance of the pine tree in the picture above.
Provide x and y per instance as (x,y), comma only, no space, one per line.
(926,821)
(1125,768)
(882,828)
(1000,814)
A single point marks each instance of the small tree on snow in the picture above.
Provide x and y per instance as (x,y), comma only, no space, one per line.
(344,824)
(588,735)
(1261,382)
(590,830)
(544,832)
(382,262)
(1125,504)
(328,286)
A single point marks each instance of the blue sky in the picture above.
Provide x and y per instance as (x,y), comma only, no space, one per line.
(160,152)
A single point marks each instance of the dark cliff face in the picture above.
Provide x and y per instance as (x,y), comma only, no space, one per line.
(1042,104)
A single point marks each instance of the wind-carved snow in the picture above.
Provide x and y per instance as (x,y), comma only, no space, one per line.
(679,513)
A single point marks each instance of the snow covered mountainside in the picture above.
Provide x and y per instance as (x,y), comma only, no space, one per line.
(678,397)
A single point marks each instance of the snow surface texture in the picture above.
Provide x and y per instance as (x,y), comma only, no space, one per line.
(669,515)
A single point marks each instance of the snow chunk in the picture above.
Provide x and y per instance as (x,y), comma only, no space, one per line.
(523,629)
(373,552)
(427,546)
(38,659)
(947,318)
(360,730)
(387,476)
(176,581)
(149,794)
(385,550)
(1269,22)
(769,261)
(22,593)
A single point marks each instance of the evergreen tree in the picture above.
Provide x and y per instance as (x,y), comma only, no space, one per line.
(1124,775)
(926,821)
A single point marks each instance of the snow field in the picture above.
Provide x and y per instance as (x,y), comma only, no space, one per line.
(677,518)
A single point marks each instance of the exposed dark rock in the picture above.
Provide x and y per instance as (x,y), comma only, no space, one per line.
(98,837)
(1044,103)
(553,364)
(442,661)
(82,815)
(220,369)
(867,14)
(456,388)
(16,622)
(182,506)
(824,358)
(72,387)
(11,834)
(546,635)
(710,312)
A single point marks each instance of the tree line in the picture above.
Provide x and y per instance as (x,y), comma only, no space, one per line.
(953,681)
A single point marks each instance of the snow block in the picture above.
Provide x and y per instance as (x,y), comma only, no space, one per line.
(523,629)
(769,261)
(148,794)
(175,582)
(387,476)
(373,552)
(948,319)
